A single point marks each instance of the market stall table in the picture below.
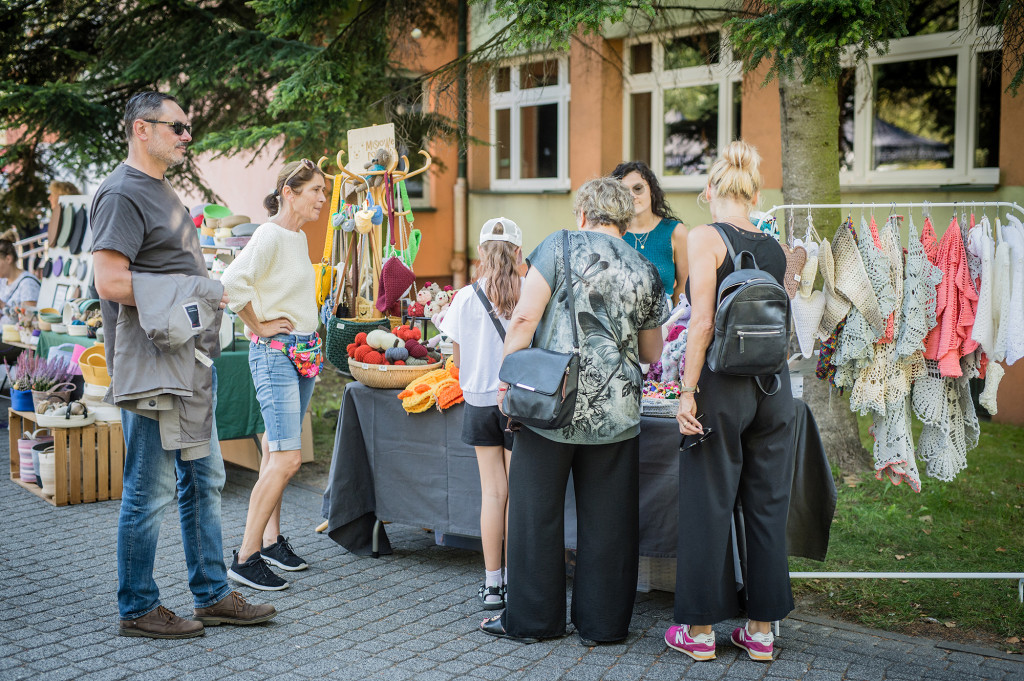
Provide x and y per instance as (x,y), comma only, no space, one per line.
(415,470)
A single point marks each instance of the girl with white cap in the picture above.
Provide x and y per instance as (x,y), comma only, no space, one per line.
(476,323)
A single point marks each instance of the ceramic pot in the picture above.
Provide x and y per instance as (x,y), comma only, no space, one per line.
(21,400)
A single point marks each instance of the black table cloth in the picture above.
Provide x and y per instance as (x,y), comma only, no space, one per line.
(414,469)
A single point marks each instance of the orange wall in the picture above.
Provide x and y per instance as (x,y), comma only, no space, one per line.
(479,170)
(761,124)
(595,114)
(1011,132)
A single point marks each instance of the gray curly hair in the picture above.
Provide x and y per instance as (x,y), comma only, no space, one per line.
(605,201)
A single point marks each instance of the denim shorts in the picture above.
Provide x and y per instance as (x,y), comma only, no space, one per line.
(282,393)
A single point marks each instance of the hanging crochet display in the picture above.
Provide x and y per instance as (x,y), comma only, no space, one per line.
(905,330)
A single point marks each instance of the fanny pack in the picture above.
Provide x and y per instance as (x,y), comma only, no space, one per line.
(307,356)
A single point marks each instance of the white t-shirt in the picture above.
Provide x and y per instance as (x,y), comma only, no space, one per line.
(480,346)
(25,287)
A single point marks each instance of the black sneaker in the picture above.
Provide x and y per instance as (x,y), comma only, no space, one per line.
(255,573)
(282,556)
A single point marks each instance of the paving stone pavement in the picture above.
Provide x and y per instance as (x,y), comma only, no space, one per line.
(412,615)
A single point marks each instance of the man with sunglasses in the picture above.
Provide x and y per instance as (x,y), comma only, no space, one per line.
(141,228)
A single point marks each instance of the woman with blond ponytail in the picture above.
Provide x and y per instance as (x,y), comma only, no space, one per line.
(738,444)
(476,323)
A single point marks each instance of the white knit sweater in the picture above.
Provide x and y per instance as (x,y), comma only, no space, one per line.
(274,273)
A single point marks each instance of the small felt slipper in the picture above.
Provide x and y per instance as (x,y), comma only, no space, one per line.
(494,627)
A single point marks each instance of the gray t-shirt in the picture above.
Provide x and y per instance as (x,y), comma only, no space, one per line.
(143,219)
(618,293)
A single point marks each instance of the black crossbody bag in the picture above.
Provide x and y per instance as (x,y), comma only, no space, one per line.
(542,384)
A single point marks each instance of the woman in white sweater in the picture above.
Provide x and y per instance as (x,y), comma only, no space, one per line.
(271,287)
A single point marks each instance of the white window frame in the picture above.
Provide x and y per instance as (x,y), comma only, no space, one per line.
(514,100)
(964,43)
(726,73)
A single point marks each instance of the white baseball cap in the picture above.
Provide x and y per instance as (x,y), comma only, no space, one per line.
(510,231)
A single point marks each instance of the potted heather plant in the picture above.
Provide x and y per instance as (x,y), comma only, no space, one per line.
(20,376)
(51,379)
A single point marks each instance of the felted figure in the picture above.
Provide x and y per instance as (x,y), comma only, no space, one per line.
(443,299)
(423,295)
(672,358)
(431,309)
(416,309)
(434,289)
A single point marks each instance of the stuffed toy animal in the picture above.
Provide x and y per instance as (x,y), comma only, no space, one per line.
(673,357)
(380,161)
(423,295)
(443,299)
(415,310)
(431,310)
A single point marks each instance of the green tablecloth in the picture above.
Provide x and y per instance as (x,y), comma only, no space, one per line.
(238,411)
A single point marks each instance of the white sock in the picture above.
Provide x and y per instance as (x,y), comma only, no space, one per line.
(493,578)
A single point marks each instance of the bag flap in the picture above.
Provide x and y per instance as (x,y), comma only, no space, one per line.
(536,370)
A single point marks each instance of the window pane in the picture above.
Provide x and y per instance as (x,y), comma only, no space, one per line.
(737,111)
(640,117)
(691,129)
(986,143)
(503,79)
(847,106)
(915,114)
(503,141)
(932,16)
(538,74)
(987,12)
(692,50)
(640,58)
(538,132)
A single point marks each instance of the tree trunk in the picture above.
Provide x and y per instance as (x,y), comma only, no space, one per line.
(810,174)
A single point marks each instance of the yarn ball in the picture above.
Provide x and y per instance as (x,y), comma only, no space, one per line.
(373,357)
(416,350)
(360,353)
(360,338)
(350,349)
(396,354)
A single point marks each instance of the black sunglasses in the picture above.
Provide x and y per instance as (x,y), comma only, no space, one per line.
(177,126)
(703,436)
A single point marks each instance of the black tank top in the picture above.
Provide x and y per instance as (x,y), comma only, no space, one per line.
(765,249)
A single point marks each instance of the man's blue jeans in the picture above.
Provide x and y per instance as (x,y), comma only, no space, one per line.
(150,474)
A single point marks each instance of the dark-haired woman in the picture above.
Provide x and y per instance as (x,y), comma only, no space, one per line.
(656,233)
(270,285)
(18,288)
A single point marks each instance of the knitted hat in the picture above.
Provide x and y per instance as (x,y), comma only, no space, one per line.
(395,279)
(510,231)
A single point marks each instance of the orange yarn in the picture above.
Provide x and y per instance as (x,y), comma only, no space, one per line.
(956,305)
(373,357)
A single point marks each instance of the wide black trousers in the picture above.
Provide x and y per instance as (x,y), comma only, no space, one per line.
(749,457)
(606,483)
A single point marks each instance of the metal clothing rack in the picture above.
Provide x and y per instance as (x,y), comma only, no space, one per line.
(925,206)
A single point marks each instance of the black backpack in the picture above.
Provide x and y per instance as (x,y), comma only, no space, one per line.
(752,319)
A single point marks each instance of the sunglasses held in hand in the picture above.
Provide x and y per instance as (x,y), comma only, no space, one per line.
(700,438)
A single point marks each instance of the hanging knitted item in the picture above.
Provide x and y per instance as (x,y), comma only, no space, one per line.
(852,277)
(807,313)
(826,370)
(987,399)
(796,258)
(395,279)
(950,422)
(956,305)
(837,306)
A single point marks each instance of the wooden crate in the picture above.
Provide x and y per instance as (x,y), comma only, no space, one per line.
(88,461)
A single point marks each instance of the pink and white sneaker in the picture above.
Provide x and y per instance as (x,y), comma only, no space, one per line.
(758,646)
(699,646)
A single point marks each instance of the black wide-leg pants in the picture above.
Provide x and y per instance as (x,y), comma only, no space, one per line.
(749,457)
(606,482)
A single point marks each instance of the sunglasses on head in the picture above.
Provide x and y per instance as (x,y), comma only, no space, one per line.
(177,126)
(700,438)
(303,163)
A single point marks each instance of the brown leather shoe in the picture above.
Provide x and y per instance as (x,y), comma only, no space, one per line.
(233,609)
(161,623)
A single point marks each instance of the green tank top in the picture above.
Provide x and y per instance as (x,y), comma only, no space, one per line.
(656,246)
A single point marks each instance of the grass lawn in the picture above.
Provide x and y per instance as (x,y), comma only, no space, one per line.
(972,524)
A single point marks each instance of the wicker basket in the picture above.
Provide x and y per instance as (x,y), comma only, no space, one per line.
(386,376)
(661,408)
(342,331)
